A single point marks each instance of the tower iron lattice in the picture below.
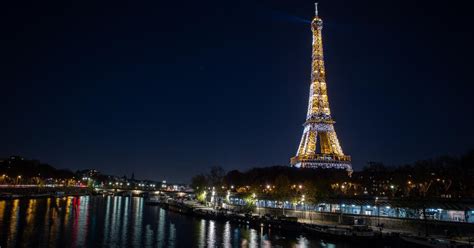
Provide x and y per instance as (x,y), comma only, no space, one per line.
(319,146)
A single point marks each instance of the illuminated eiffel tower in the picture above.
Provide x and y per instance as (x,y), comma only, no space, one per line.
(319,146)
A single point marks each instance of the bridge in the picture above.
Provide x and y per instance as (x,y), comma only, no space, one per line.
(31,190)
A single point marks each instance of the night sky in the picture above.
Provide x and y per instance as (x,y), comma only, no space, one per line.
(166,89)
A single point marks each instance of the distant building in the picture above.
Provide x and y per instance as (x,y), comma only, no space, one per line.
(90,173)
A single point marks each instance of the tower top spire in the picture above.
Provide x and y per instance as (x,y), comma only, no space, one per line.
(316,8)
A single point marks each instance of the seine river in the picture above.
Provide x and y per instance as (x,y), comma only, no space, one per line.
(96,221)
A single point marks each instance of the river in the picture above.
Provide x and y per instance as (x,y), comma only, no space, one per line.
(96,221)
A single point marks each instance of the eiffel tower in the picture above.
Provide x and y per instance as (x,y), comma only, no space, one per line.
(319,146)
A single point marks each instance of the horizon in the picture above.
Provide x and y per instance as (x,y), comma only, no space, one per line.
(166,92)
(240,170)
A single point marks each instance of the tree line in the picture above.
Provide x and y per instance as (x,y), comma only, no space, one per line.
(445,176)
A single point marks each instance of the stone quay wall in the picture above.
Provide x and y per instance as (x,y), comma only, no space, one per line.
(417,226)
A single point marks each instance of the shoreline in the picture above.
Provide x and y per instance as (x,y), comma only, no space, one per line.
(43,192)
(354,233)
(35,196)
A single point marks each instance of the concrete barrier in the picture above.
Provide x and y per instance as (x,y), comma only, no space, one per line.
(417,226)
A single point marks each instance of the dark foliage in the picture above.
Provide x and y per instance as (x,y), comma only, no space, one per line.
(32,168)
(269,175)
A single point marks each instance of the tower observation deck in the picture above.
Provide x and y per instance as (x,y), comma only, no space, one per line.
(319,146)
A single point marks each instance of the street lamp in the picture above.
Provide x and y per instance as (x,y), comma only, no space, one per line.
(254,196)
(213,198)
(378,210)
(302,201)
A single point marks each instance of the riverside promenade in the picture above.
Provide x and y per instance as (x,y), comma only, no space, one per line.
(308,220)
(421,227)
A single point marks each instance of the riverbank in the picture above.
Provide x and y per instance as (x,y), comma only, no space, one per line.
(37,192)
(353,233)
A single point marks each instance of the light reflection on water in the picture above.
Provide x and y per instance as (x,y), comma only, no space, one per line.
(125,222)
(226,235)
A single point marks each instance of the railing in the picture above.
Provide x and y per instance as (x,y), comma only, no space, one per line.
(321,158)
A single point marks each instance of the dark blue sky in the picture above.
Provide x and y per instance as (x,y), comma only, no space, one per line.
(166,89)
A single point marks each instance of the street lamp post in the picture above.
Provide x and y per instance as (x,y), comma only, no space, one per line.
(302,202)
(378,210)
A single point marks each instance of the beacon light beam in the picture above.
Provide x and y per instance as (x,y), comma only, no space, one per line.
(282,16)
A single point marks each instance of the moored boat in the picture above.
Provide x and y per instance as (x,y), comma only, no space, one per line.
(434,242)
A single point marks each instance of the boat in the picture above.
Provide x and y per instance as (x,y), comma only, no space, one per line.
(59,194)
(157,200)
(434,242)
(353,233)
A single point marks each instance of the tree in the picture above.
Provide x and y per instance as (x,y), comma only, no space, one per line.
(282,188)
(310,191)
(216,176)
(199,182)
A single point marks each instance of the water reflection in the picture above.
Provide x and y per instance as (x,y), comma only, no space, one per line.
(125,222)
(226,233)
(253,238)
(161,228)
(137,218)
(13,223)
(29,216)
(172,238)
(2,210)
(211,234)
(202,234)
(107,220)
(303,242)
(124,225)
